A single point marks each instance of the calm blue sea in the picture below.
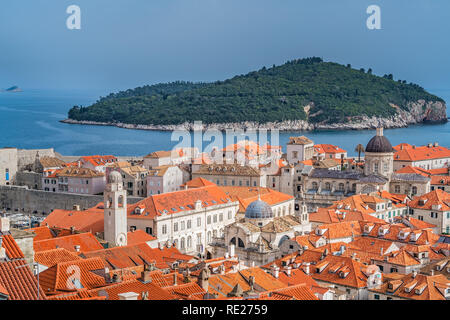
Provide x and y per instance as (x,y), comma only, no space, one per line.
(30,120)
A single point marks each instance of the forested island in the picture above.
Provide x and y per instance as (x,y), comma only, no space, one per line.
(300,94)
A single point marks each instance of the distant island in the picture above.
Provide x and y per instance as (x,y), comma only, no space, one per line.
(13,89)
(303,94)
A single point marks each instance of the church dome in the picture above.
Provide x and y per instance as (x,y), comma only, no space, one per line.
(114,177)
(258,210)
(379,143)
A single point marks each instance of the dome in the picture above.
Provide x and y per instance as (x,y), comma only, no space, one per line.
(258,210)
(379,143)
(114,177)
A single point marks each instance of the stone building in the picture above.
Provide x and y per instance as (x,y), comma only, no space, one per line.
(256,238)
(299,149)
(133,177)
(164,179)
(320,187)
(231,175)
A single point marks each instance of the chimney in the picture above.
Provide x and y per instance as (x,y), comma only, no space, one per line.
(380,132)
(276,272)
(77,248)
(227,255)
(128,296)
(436,144)
(381,251)
(306,268)
(4,224)
(414,274)
(288,271)
(72,230)
(76,207)
(198,205)
(432,272)
(175,278)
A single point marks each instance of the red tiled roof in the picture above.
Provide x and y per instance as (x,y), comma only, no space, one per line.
(152,291)
(440,180)
(50,258)
(328,148)
(98,160)
(435,197)
(60,278)
(11,247)
(91,220)
(138,236)
(19,282)
(181,201)
(421,153)
(416,170)
(198,183)
(86,241)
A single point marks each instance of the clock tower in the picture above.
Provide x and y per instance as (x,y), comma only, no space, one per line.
(115,212)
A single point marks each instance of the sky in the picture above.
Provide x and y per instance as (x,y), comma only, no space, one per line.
(128,43)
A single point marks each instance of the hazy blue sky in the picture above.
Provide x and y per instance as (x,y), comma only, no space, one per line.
(127,43)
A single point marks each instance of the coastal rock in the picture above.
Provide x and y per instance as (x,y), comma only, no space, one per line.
(418,112)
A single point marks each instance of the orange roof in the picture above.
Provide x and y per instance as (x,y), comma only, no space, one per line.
(11,247)
(436,197)
(198,183)
(296,292)
(186,291)
(328,148)
(326,215)
(19,282)
(416,170)
(98,160)
(178,201)
(421,153)
(419,287)
(49,258)
(44,233)
(439,171)
(138,236)
(63,276)
(440,180)
(90,220)
(86,241)
(138,254)
(150,290)
(247,195)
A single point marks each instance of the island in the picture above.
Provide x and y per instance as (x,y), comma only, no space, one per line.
(303,94)
(13,89)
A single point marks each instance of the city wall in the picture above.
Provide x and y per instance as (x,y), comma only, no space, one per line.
(22,199)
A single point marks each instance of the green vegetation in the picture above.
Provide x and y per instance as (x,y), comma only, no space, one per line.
(270,94)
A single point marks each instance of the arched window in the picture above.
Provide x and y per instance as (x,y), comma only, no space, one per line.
(341,187)
(327,186)
(233,241)
(414,190)
(120,201)
(315,186)
(189,242)
(241,243)
(354,187)
(209,237)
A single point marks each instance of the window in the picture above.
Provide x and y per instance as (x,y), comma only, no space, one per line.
(182,225)
(377,297)
(221,217)
(175,227)
(229,215)
(327,186)
(182,243)
(189,224)
(375,167)
(341,187)
(215,218)
(315,186)
(199,222)
(149,230)
(164,229)
(397,189)
(414,190)
(254,183)
(208,220)
(189,242)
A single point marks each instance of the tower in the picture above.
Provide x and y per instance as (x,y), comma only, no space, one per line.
(303,214)
(379,156)
(115,212)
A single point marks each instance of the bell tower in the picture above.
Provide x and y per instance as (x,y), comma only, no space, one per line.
(115,212)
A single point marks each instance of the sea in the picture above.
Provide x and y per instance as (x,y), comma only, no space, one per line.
(31,120)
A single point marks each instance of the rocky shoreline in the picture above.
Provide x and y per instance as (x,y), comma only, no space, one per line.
(419,112)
